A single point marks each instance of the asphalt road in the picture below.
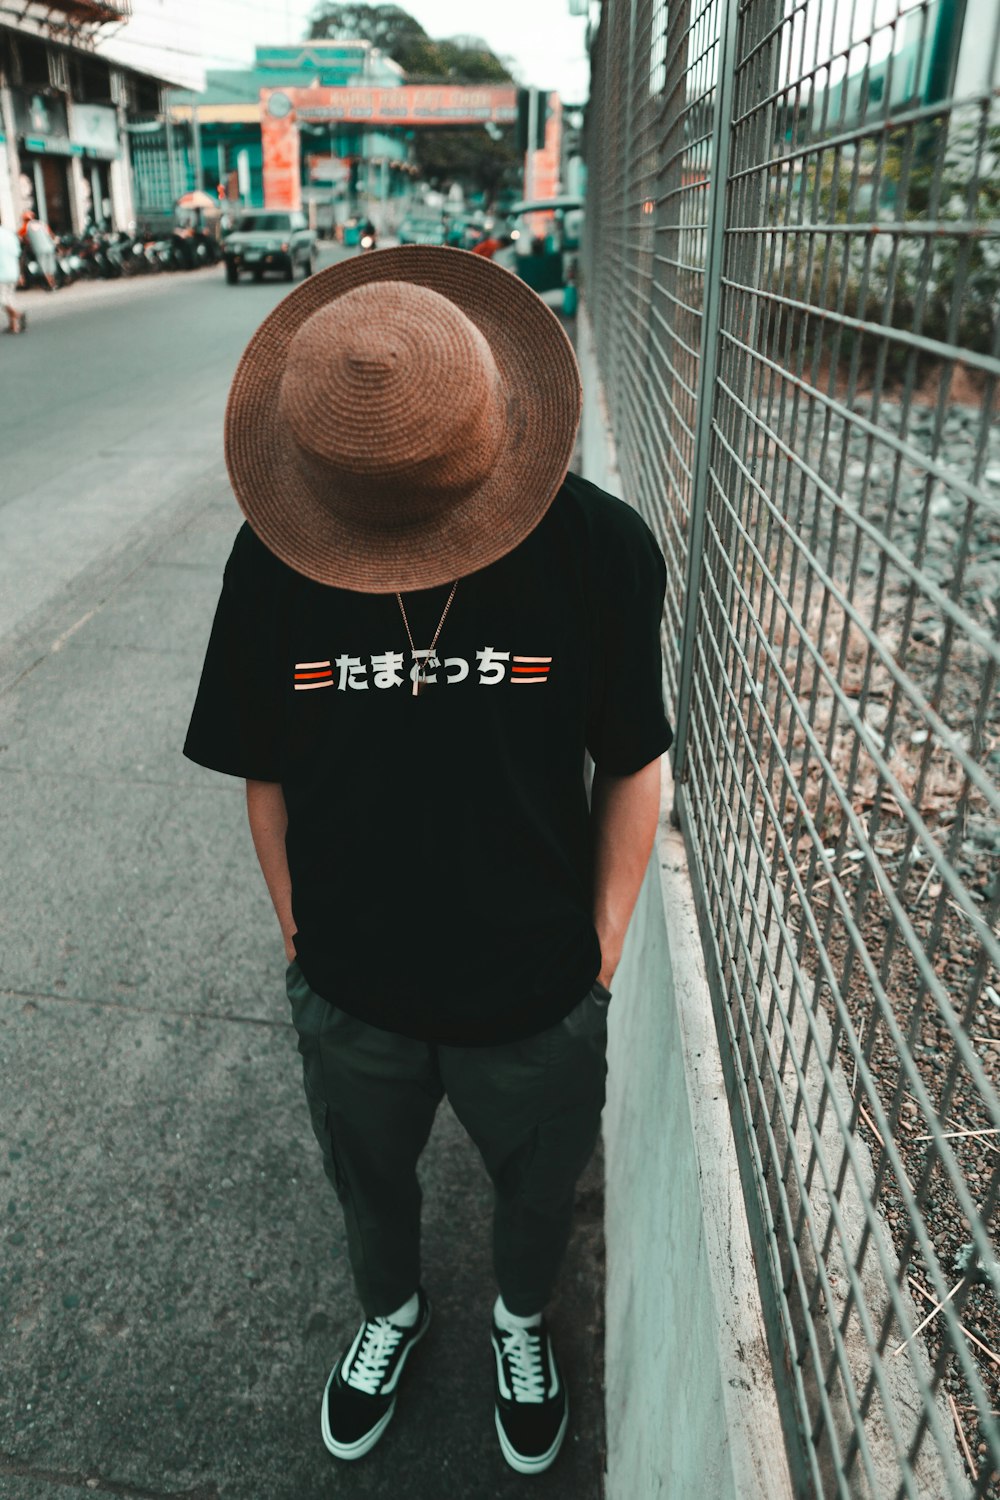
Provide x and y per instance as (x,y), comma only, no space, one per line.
(173,1285)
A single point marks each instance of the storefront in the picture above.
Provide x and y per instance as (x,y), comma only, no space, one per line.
(94,136)
(45,152)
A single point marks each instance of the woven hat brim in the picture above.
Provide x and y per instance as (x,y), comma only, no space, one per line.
(537,364)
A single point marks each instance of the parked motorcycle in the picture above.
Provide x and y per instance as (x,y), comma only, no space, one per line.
(49,262)
(67,262)
(194,248)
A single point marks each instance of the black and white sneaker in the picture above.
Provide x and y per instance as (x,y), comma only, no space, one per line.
(360,1395)
(532,1408)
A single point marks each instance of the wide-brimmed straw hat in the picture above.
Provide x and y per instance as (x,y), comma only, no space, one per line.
(401,419)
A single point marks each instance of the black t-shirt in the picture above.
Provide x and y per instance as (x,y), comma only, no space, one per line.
(439,846)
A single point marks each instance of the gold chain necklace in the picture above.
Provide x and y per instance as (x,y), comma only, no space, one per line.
(424,661)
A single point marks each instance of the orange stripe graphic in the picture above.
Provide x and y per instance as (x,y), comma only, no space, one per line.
(302,676)
(534,670)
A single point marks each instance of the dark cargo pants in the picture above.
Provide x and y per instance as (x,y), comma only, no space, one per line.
(532,1108)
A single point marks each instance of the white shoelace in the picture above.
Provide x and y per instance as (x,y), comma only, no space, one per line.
(523,1347)
(378,1345)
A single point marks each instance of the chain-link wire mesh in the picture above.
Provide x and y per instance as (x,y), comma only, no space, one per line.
(793,273)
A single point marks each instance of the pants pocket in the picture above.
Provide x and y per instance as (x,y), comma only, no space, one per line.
(588,1021)
(600,994)
(312,1017)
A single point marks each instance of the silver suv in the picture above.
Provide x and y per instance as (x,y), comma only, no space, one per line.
(269,240)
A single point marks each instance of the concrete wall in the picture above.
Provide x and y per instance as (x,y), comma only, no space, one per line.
(689,1399)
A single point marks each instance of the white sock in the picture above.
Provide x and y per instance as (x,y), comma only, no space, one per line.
(509,1320)
(406,1316)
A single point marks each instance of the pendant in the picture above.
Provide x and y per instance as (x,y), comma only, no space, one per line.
(425,662)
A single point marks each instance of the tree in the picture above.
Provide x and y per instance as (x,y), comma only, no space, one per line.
(449,154)
(389,27)
(401,37)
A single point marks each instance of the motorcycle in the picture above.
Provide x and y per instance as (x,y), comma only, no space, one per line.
(94,253)
(67,261)
(194,249)
(151,255)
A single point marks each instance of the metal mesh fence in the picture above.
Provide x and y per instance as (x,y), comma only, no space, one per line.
(793,273)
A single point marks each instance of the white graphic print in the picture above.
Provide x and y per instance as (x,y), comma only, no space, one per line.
(352,672)
(428,673)
(461,664)
(389,669)
(491,665)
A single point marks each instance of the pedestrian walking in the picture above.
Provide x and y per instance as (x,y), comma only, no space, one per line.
(39,241)
(425,624)
(10,271)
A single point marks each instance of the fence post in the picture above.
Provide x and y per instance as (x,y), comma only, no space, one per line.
(718,169)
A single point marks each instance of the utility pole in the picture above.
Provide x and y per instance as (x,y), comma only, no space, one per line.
(196,144)
(529,160)
(168,134)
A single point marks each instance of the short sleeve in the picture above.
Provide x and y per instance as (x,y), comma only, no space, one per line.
(236,719)
(628,726)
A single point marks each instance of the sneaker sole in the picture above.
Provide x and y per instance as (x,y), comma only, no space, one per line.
(364,1444)
(523,1464)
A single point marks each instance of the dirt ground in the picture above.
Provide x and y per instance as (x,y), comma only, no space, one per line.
(926,695)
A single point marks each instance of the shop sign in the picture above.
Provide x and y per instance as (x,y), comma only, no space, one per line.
(95,130)
(409,104)
(331,169)
(41,121)
(282,109)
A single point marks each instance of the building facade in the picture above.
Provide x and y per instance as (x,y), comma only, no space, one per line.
(217,137)
(65,113)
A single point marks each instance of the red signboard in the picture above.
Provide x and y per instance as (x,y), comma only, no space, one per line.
(417,104)
(409,105)
(282,161)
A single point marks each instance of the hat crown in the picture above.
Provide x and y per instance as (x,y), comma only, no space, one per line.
(394,399)
(360,479)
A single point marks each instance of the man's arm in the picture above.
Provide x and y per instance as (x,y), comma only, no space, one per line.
(268,822)
(624,815)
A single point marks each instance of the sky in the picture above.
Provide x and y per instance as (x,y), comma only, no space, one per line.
(542,41)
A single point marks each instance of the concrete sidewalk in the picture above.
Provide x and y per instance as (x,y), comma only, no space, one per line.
(173,1283)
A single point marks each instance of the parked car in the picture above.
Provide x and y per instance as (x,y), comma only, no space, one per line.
(268,240)
(422,229)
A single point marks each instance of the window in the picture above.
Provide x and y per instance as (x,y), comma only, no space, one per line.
(266,223)
(658,47)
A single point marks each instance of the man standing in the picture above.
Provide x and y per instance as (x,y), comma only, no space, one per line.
(423,629)
(10,271)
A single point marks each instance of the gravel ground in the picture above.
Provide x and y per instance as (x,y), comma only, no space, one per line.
(956,546)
